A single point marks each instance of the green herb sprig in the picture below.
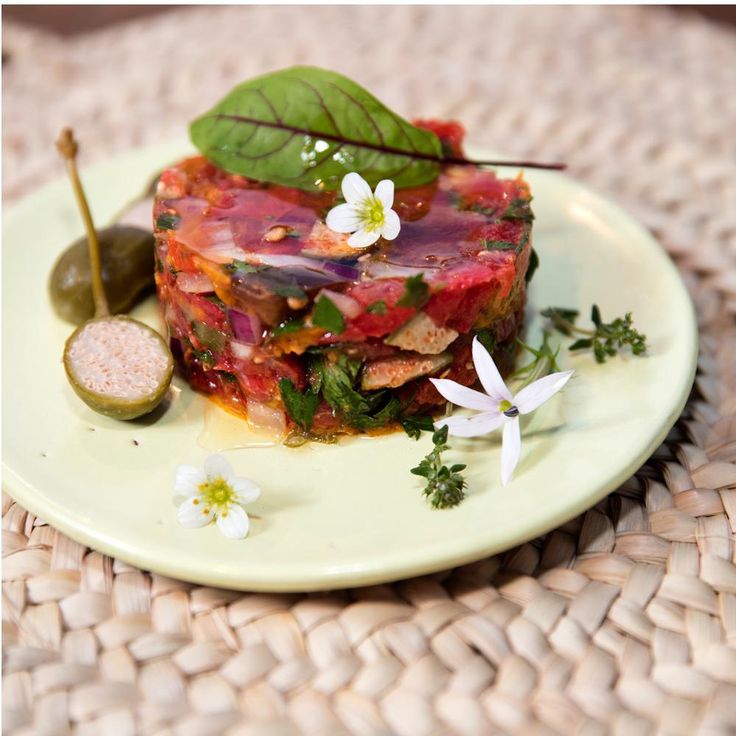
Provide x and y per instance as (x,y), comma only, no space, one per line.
(445,486)
(606,340)
(544,360)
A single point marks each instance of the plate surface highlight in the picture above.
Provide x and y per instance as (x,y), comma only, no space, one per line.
(334,516)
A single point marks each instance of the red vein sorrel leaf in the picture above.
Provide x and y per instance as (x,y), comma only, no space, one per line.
(306,127)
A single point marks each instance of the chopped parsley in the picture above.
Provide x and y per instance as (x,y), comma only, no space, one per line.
(327,316)
(378,307)
(300,406)
(237,266)
(487,339)
(415,425)
(168,221)
(214,299)
(286,328)
(336,380)
(519,209)
(498,245)
(533,265)
(211,338)
(416,292)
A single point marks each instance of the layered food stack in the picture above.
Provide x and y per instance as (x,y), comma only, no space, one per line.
(279,319)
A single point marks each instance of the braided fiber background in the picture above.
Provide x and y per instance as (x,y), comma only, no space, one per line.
(623,620)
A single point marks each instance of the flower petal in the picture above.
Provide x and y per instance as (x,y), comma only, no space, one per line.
(488,373)
(245,489)
(233,522)
(187,480)
(355,188)
(391,225)
(511,449)
(193,513)
(363,238)
(216,466)
(464,396)
(385,193)
(343,219)
(474,426)
(535,394)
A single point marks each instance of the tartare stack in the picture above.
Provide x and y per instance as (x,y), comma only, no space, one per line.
(263,301)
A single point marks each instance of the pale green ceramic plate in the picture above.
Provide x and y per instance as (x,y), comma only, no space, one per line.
(347,514)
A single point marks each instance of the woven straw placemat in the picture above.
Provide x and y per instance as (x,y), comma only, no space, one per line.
(623,620)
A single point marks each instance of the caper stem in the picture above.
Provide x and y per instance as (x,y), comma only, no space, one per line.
(67,147)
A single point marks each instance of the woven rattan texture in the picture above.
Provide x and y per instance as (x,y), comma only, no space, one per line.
(623,620)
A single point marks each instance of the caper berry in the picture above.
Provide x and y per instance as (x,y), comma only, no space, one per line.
(127,273)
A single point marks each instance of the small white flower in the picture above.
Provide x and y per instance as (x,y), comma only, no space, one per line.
(497,406)
(366,214)
(214,493)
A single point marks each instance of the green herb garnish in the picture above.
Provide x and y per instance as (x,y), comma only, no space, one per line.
(364,410)
(306,127)
(416,292)
(300,406)
(519,209)
(327,316)
(445,486)
(487,339)
(498,245)
(211,338)
(286,328)
(605,340)
(544,360)
(204,356)
(533,266)
(237,266)
(345,128)
(378,307)
(214,299)
(415,425)
(167,221)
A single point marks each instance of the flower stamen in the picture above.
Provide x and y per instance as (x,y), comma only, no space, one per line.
(217,492)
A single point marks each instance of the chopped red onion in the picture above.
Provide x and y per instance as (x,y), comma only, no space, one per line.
(342,270)
(246,327)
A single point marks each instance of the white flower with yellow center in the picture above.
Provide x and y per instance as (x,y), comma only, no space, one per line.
(214,493)
(366,214)
(497,406)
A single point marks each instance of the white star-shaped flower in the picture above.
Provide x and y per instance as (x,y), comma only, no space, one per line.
(366,214)
(214,493)
(497,406)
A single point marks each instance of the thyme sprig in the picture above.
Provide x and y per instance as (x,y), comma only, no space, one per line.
(544,360)
(606,340)
(445,485)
